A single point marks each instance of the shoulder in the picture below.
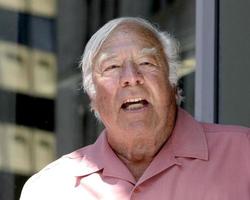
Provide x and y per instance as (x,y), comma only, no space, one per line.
(58,174)
(229,131)
(65,163)
(219,128)
(229,144)
(228,137)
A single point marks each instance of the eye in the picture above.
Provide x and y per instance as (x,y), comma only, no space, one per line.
(111,67)
(146,63)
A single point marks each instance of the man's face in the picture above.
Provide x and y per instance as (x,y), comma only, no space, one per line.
(134,97)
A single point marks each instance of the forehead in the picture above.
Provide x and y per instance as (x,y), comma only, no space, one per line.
(131,33)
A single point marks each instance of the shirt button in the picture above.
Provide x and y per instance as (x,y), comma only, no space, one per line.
(137,189)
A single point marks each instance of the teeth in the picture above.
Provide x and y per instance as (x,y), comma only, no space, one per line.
(134,104)
(133,100)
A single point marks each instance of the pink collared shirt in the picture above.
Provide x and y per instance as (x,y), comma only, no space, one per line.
(199,162)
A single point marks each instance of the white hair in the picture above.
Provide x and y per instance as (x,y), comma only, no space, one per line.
(93,46)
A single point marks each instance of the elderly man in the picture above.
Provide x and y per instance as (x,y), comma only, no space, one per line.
(150,148)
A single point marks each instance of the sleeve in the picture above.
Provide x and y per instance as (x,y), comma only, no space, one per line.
(30,189)
(47,183)
(37,187)
(41,186)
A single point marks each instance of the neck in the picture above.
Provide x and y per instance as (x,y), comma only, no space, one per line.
(136,167)
(137,149)
(138,155)
(137,160)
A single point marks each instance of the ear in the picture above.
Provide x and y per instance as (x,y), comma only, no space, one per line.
(178,95)
(174,89)
(92,105)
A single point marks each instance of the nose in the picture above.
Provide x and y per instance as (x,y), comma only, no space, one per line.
(130,75)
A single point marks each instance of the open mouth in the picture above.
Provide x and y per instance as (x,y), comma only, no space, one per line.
(134,104)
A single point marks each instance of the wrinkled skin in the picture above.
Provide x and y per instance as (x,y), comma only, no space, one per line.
(131,67)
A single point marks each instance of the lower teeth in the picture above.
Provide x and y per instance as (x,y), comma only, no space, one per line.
(135,106)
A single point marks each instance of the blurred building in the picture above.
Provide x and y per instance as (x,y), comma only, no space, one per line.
(43,110)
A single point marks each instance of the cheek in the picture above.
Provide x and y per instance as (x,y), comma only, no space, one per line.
(102,98)
(105,94)
(102,105)
(158,80)
(162,90)
(108,85)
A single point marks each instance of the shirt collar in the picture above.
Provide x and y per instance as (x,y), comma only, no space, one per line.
(97,157)
(187,140)
(85,160)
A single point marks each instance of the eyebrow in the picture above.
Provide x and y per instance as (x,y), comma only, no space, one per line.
(148,51)
(142,52)
(105,56)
